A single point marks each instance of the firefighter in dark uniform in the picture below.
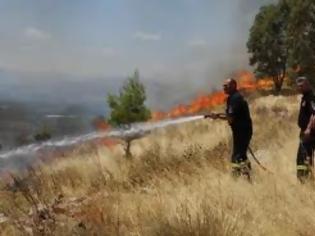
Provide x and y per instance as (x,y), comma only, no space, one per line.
(238,116)
(304,161)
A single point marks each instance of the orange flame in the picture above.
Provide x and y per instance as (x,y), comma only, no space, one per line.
(101,124)
(246,81)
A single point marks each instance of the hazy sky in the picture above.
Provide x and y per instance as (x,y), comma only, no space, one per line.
(191,41)
(110,37)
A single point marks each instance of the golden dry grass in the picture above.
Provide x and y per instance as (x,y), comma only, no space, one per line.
(178,183)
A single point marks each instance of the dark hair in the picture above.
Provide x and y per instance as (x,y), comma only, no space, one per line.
(233,81)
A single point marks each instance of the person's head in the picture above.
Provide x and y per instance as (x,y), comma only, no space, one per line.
(303,85)
(230,86)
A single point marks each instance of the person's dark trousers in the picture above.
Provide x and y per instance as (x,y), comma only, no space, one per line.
(304,160)
(240,162)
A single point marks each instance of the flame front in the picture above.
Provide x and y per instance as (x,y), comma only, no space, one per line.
(246,81)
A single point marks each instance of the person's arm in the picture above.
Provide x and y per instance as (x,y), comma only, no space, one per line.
(311,122)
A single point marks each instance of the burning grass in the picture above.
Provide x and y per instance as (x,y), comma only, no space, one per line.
(177,184)
(246,82)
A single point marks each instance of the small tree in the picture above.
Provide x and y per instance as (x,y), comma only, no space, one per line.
(128,107)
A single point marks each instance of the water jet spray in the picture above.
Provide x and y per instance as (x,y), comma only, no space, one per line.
(134,131)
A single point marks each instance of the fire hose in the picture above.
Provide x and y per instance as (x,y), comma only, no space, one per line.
(257,161)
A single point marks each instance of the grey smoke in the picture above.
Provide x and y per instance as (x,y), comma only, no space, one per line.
(211,64)
(199,68)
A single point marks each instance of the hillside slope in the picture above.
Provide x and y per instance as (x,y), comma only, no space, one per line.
(177,184)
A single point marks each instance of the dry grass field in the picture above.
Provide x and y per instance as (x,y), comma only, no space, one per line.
(178,183)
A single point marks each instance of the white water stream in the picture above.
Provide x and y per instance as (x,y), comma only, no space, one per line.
(137,129)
